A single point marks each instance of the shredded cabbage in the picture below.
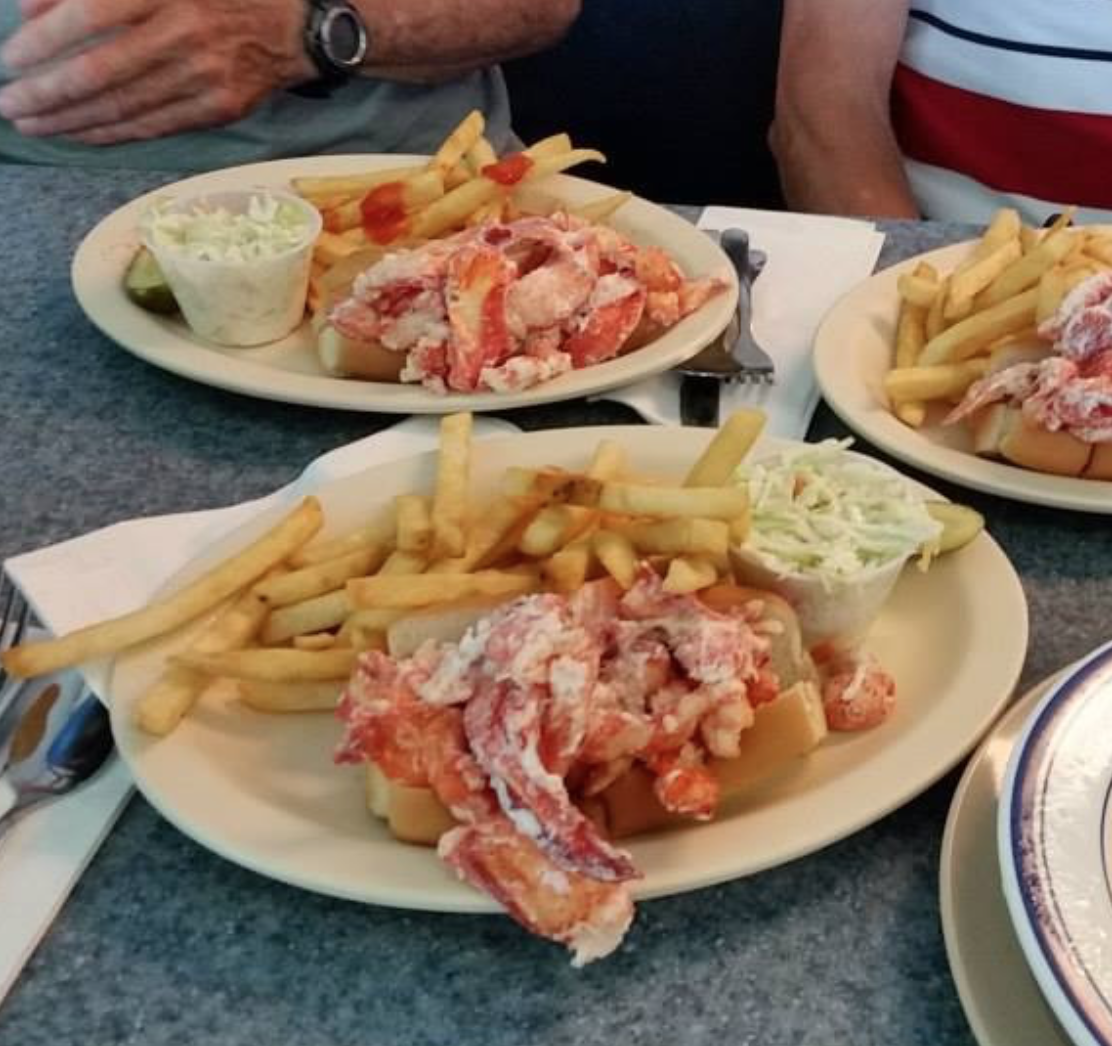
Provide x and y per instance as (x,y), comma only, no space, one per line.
(269,227)
(822,511)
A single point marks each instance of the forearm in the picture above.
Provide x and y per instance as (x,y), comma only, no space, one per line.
(436,39)
(850,164)
(832,137)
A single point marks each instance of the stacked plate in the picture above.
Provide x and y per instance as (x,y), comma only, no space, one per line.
(1026,883)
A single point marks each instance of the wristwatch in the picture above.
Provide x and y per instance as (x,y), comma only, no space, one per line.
(337,40)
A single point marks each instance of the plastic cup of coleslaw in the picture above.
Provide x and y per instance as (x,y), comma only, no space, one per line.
(237,261)
(831,532)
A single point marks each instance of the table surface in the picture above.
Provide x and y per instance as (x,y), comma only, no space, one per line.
(163,942)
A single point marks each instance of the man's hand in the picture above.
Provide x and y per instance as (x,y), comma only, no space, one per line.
(106,71)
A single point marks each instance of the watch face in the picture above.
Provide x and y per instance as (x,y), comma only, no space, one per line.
(342,36)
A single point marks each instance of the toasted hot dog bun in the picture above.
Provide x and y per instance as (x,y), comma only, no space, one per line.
(783,730)
(1002,431)
(347,358)
(445,624)
(1100,464)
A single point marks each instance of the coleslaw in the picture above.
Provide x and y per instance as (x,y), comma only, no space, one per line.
(268,226)
(823,512)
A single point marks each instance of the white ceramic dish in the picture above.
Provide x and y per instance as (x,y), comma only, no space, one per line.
(262,790)
(998,992)
(289,371)
(1053,834)
(853,352)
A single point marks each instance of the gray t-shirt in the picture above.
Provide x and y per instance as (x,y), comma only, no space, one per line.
(363,116)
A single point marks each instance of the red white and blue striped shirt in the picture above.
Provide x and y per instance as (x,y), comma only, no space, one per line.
(1007,102)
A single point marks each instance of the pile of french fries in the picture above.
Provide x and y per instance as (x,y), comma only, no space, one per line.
(287,617)
(949,325)
(448,193)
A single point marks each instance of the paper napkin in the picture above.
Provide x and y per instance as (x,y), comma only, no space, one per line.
(812,261)
(109,572)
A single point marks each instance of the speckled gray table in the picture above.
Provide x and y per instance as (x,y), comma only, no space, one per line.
(164,943)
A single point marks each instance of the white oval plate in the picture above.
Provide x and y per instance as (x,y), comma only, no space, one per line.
(289,370)
(998,992)
(262,790)
(1054,841)
(853,352)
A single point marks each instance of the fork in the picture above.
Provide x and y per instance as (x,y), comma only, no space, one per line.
(736,356)
(15,616)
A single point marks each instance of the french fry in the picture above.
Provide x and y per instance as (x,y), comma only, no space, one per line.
(458,143)
(912,413)
(414,523)
(1005,226)
(315,295)
(492,535)
(272,665)
(1052,290)
(319,578)
(1063,221)
(1026,271)
(566,571)
(608,461)
(399,562)
(739,528)
(633,499)
(366,639)
(690,574)
(1029,238)
(422,590)
(616,553)
(481,154)
(284,696)
(977,332)
(363,629)
(966,285)
(677,537)
(553,145)
(451,210)
(552,485)
(942,380)
(331,247)
(733,440)
(453,471)
(457,176)
(911,334)
(378,532)
(599,211)
(553,527)
(936,320)
(917,290)
(549,165)
(1099,248)
(489,212)
(301,619)
(162,707)
(350,185)
(315,641)
(164,615)
(1077,274)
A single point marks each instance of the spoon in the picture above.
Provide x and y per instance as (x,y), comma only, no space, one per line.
(44,764)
